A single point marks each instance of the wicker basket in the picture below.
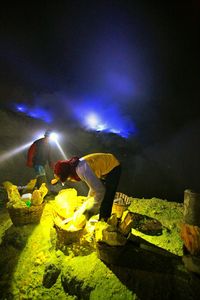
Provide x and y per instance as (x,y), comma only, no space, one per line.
(66,237)
(120,204)
(26,215)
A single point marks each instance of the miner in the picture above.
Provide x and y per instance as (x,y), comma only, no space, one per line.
(39,154)
(101,173)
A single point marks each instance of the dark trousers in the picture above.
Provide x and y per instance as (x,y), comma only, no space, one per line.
(111,182)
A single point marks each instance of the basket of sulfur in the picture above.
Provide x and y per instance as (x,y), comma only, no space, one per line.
(27,208)
(69,221)
(120,204)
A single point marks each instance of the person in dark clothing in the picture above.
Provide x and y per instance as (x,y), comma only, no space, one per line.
(39,154)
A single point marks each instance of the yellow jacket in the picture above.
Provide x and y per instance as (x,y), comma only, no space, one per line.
(101,163)
(91,168)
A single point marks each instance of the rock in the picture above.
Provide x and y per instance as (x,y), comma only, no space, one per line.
(15,237)
(74,285)
(51,274)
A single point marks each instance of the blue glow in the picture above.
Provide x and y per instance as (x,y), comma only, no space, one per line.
(34,112)
(21,108)
(96,115)
(120,83)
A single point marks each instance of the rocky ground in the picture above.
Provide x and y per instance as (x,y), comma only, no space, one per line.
(32,266)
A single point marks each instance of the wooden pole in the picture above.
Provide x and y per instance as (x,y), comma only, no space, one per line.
(191,211)
(190,231)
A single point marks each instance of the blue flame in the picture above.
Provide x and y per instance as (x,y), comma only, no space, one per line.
(95,115)
(35,112)
(21,108)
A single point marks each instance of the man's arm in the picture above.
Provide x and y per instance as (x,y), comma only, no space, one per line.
(96,187)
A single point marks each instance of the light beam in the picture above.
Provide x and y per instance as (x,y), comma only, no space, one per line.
(13,152)
(61,150)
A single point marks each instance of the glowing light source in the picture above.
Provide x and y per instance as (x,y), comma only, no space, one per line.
(40,134)
(92,120)
(21,148)
(54,136)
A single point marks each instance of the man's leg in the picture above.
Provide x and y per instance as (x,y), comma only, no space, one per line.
(111,183)
(41,179)
(40,175)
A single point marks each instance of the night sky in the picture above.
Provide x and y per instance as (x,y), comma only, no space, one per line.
(133,64)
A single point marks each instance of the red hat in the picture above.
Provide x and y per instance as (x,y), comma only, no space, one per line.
(62,170)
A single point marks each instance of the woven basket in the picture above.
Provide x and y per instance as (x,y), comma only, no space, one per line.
(26,215)
(66,237)
(120,204)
